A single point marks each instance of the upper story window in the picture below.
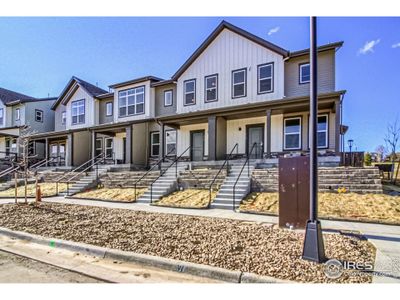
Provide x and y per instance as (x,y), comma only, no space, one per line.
(17,114)
(39,115)
(109,109)
(304,73)
(64,118)
(265,78)
(189,91)
(1,116)
(239,82)
(168,98)
(131,102)
(292,133)
(211,88)
(78,112)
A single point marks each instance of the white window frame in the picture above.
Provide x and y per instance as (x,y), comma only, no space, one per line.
(301,66)
(154,144)
(292,133)
(244,82)
(40,114)
(171,99)
(166,142)
(1,116)
(63,118)
(17,114)
(123,101)
(76,105)
(206,88)
(187,93)
(107,148)
(99,150)
(109,109)
(326,131)
(271,65)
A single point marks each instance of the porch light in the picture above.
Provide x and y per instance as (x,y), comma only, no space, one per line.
(350,143)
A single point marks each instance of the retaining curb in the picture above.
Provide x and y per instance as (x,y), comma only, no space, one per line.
(149,260)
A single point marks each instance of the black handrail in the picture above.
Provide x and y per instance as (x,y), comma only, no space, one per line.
(8,171)
(151,169)
(165,170)
(42,162)
(241,170)
(226,162)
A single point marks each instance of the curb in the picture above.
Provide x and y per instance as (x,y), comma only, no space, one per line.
(149,260)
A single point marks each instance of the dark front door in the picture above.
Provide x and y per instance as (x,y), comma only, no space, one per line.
(197,143)
(124,149)
(255,134)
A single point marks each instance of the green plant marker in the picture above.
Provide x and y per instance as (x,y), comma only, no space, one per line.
(52,244)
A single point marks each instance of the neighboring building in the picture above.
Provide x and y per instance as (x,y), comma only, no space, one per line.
(236,88)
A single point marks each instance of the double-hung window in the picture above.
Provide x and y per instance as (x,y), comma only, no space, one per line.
(64,118)
(292,133)
(109,109)
(1,116)
(322,131)
(189,92)
(170,142)
(155,143)
(304,73)
(265,78)
(131,102)
(17,114)
(78,112)
(211,88)
(168,98)
(39,115)
(239,78)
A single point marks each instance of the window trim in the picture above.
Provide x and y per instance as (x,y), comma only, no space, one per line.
(108,148)
(17,114)
(152,144)
(245,83)
(84,112)
(327,130)
(41,111)
(300,133)
(166,144)
(300,73)
(172,97)
(63,113)
(272,78)
(184,92)
(205,88)
(144,102)
(112,108)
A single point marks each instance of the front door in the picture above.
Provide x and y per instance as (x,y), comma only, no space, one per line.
(255,134)
(197,143)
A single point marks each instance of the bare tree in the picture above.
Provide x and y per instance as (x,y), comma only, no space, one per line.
(392,140)
(381,150)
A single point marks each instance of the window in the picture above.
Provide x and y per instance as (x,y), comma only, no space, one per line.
(305,75)
(11,146)
(64,118)
(239,83)
(38,115)
(99,146)
(1,116)
(292,134)
(170,142)
(17,114)
(109,109)
(109,147)
(265,78)
(78,112)
(155,143)
(322,131)
(211,88)
(131,102)
(189,91)
(168,100)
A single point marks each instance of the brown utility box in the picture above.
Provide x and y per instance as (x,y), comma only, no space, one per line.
(294,191)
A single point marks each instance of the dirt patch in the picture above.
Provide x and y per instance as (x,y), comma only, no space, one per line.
(360,207)
(231,244)
(189,198)
(112,194)
(47,189)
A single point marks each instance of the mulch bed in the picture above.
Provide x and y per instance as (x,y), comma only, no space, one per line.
(189,198)
(111,194)
(230,244)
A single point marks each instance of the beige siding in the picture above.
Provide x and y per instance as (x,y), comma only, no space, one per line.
(58,118)
(228,52)
(81,148)
(183,138)
(2,147)
(160,109)
(140,142)
(89,109)
(119,145)
(5,116)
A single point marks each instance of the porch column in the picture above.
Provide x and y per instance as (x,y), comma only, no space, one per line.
(337,127)
(162,140)
(46,149)
(268,141)
(212,138)
(128,145)
(70,145)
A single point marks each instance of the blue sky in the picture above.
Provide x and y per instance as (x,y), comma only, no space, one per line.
(39,55)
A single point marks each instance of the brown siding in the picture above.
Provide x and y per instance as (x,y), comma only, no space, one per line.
(160,109)
(103,118)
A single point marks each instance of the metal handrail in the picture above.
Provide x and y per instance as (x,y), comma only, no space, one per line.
(8,171)
(226,162)
(43,162)
(165,170)
(151,169)
(240,173)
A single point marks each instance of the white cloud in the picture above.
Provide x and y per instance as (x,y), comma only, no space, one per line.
(273,30)
(396,45)
(369,47)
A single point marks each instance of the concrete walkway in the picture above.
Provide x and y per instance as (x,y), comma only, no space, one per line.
(386,238)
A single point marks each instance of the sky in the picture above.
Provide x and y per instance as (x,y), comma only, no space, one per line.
(39,55)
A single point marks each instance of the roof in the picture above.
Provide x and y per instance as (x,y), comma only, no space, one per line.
(15,102)
(136,80)
(8,97)
(91,89)
(225,25)
(163,82)
(330,46)
(105,96)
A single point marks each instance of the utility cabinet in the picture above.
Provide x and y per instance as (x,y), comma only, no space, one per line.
(294,191)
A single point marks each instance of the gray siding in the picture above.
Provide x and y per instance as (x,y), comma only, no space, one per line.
(103,118)
(326,75)
(160,109)
(58,118)
(48,116)
(21,121)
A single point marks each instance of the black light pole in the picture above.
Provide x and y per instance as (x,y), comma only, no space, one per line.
(350,143)
(313,249)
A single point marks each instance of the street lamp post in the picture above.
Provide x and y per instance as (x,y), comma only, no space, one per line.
(313,248)
(350,143)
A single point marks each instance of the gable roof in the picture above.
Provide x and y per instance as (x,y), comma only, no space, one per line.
(225,25)
(136,80)
(91,89)
(8,97)
(326,47)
